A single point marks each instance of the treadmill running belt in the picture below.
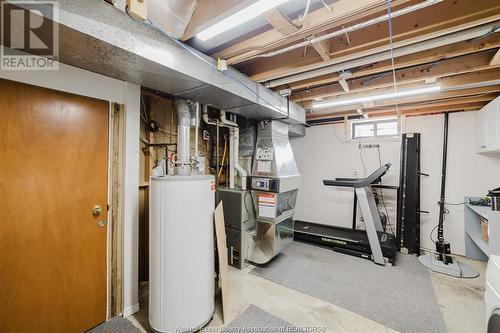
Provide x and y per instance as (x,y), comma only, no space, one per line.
(349,241)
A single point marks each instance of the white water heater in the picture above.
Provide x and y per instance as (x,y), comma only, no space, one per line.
(181,252)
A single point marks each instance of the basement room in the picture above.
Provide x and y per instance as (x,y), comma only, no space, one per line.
(250,166)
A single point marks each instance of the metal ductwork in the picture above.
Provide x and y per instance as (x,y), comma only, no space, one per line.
(95,36)
(183,163)
(173,16)
(275,182)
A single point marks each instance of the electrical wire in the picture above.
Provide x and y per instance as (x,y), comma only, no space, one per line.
(326,5)
(430,234)
(382,194)
(446,212)
(392,59)
(153,137)
(144,108)
(338,138)
(362,160)
(306,11)
(223,157)
(454,204)
(492,31)
(151,24)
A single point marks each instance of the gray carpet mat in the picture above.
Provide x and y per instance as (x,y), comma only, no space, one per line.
(254,319)
(116,325)
(400,297)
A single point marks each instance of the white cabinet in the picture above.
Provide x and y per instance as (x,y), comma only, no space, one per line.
(488,128)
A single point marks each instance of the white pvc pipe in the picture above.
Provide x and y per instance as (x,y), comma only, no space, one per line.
(237,166)
(231,126)
(231,158)
(204,116)
(196,128)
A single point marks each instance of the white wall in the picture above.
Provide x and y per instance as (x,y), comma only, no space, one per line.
(468,173)
(323,154)
(73,80)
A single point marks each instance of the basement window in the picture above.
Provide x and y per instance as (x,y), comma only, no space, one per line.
(382,128)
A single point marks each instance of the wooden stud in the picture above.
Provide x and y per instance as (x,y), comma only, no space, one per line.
(280,22)
(342,12)
(374,39)
(207,10)
(285,27)
(116,200)
(495,60)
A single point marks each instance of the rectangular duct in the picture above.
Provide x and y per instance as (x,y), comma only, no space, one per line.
(95,36)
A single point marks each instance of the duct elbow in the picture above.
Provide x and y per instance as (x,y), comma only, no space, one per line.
(204,116)
(183,114)
(243,175)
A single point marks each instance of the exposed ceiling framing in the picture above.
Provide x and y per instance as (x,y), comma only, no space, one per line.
(452,42)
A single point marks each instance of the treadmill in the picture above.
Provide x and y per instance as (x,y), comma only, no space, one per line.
(373,243)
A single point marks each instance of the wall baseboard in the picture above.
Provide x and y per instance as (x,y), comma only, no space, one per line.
(128,311)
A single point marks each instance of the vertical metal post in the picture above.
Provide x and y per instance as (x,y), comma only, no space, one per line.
(354,210)
(443,181)
(217,157)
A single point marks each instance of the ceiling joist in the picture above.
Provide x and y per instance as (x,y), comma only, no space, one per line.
(421,73)
(285,27)
(342,11)
(411,60)
(408,30)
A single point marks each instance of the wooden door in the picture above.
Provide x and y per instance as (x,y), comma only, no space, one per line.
(53,170)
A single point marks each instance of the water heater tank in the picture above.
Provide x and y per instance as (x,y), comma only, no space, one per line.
(181,259)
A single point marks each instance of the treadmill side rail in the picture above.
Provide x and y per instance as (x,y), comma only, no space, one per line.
(372,221)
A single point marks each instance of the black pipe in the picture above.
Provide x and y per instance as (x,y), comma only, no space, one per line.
(443,247)
(443,181)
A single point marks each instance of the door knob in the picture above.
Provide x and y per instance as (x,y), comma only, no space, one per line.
(97,210)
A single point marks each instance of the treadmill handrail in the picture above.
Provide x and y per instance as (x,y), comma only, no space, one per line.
(363,182)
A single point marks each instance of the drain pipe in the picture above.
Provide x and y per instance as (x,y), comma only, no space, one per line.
(183,163)
(204,116)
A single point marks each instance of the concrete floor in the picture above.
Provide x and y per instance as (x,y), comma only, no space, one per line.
(461,302)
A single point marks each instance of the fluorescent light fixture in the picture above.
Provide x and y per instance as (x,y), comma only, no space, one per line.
(373,98)
(244,15)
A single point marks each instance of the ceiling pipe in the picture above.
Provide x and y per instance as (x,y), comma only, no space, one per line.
(471,33)
(343,31)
